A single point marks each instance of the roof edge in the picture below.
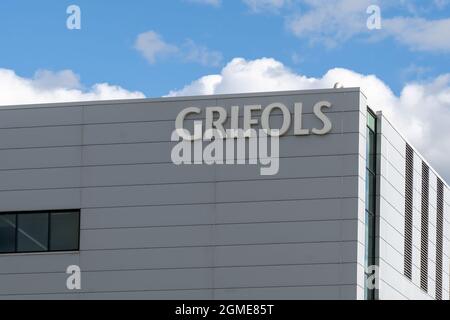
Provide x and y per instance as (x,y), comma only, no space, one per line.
(180,98)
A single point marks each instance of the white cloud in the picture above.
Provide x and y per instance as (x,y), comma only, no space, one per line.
(331,22)
(422,111)
(441,4)
(48,87)
(202,86)
(45,79)
(201,54)
(420,34)
(151,45)
(266,5)
(214,3)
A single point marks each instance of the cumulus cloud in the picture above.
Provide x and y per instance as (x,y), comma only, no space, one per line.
(45,79)
(151,45)
(47,87)
(421,111)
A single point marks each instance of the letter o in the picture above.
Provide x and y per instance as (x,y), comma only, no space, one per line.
(265,117)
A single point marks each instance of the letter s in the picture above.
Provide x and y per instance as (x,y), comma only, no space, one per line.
(327,126)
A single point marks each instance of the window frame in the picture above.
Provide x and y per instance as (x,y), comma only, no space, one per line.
(370,257)
(18,227)
(15,232)
(49,213)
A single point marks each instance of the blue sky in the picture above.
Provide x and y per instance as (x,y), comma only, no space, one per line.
(34,36)
(135,49)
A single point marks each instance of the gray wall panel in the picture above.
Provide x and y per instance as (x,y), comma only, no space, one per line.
(40,199)
(330,274)
(40,158)
(223,256)
(40,179)
(40,137)
(313,188)
(335,144)
(303,167)
(230,234)
(32,117)
(296,210)
(38,262)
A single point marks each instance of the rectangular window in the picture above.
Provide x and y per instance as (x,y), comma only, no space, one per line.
(32,232)
(7,233)
(371,155)
(60,222)
(370,191)
(44,231)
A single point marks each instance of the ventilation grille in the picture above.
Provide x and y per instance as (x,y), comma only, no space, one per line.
(409,180)
(439,237)
(424,228)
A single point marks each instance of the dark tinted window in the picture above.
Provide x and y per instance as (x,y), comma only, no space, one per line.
(44,231)
(371,150)
(62,236)
(32,232)
(7,233)
(370,191)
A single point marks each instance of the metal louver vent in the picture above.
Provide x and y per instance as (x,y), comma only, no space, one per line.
(409,180)
(424,228)
(439,237)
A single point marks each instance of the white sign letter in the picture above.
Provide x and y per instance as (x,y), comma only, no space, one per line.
(248,121)
(265,117)
(327,126)
(298,118)
(215,124)
(179,124)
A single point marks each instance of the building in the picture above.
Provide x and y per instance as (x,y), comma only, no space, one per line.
(94,185)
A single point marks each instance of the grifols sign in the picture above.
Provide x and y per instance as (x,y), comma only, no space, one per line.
(232,144)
